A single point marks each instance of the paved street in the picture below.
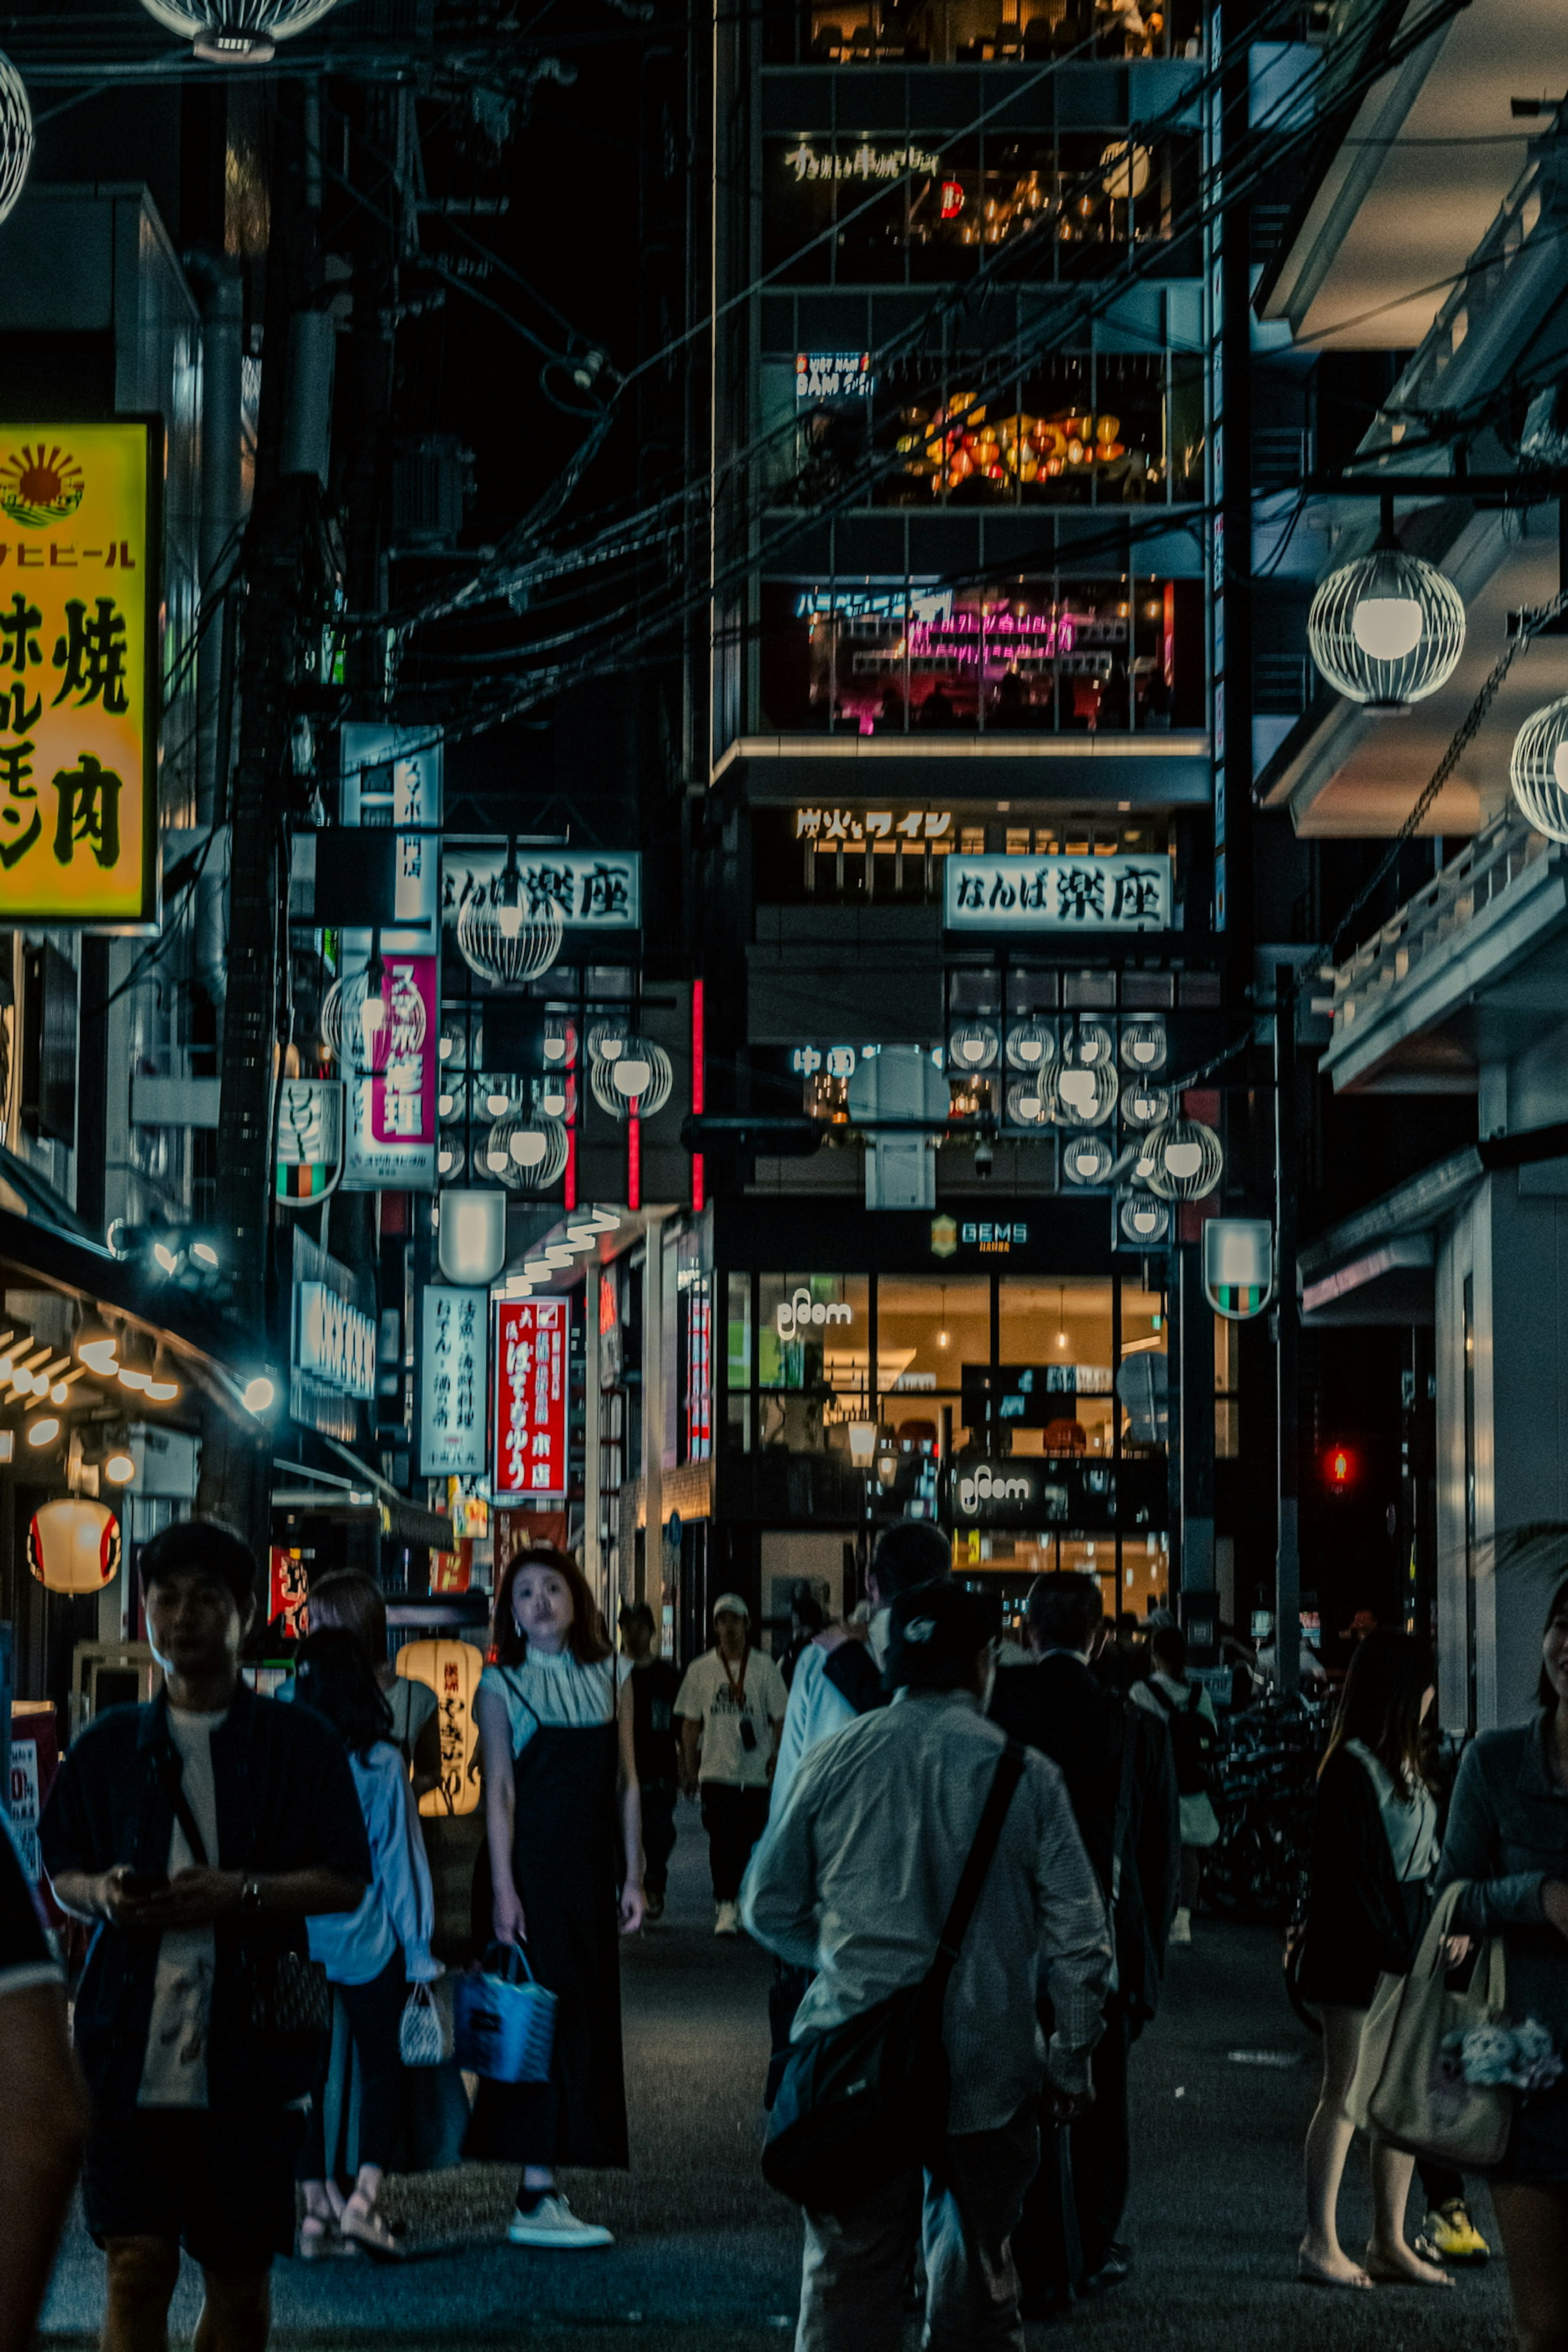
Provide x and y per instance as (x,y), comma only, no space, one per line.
(705,2251)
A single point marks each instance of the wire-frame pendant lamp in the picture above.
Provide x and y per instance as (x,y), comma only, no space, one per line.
(507,933)
(1388,629)
(1184,1160)
(15,135)
(238,32)
(368,1019)
(1539,769)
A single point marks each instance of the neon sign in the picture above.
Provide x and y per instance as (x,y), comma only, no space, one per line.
(800,1312)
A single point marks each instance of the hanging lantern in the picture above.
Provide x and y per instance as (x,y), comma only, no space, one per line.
(73,1546)
(606,1038)
(237,32)
(453,1050)
(1087,1159)
(1387,630)
(1185,1161)
(524,1152)
(1144,1219)
(1239,1266)
(639,1079)
(452,1095)
(471,1236)
(1539,769)
(504,933)
(452,1670)
(15,135)
(1143,1047)
(1088,1046)
(451,1157)
(1081,1098)
(1031,1048)
(1143,1105)
(1026,1103)
(357,1026)
(972,1047)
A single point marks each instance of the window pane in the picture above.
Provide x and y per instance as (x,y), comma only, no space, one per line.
(739,1355)
(1060,1331)
(813,1360)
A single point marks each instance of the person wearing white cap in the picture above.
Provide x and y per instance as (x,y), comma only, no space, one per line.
(730,1707)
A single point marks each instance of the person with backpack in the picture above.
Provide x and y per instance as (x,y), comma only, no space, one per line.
(1189,1716)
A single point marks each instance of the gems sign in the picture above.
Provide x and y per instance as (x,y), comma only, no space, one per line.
(78,675)
(1077,895)
(531,1397)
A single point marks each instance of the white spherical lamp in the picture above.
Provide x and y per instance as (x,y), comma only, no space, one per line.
(1031,1048)
(525,1153)
(638,1081)
(972,1048)
(1086,1159)
(504,934)
(1539,769)
(1145,1218)
(237,32)
(1076,1097)
(1184,1160)
(1387,630)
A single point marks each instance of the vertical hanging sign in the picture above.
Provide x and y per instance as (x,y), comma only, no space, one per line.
(531,1398)
(452,1382)
(393,776)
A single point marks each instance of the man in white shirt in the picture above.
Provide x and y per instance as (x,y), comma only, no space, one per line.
(855,1879)
(730,1708)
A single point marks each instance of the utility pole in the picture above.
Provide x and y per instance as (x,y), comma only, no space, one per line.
(1286,1353)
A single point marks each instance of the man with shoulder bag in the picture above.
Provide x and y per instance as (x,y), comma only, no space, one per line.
(197,1835)
(931,1873)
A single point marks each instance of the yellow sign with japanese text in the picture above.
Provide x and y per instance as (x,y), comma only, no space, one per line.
(78,675)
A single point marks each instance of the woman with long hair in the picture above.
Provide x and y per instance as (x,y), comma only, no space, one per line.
(373,1955)
(1374,1847)
(559,1872)
(1508,1838)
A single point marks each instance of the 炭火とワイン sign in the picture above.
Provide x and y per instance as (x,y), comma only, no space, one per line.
(78,675)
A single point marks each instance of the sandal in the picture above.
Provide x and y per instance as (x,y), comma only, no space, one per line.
(362,2226)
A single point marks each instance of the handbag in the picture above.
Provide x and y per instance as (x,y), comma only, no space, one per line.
(504,2024)
(426,2033)
(284,1995)
(864,2101)
(1409,2086)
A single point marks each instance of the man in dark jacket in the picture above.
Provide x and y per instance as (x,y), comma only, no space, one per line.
(1116,1760)
(197,1835)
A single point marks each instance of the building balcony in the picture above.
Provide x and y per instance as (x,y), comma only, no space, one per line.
(1466,975)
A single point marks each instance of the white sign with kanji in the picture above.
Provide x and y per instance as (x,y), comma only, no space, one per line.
(531,1397)
(452,1382)
(1057,894)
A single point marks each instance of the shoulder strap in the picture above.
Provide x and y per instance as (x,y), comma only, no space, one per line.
(171,1772)
(1009,1772)
(1168,1706)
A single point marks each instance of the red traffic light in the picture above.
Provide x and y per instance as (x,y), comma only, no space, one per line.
(1340,1468)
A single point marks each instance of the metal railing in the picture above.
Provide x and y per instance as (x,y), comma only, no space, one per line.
(1500,854)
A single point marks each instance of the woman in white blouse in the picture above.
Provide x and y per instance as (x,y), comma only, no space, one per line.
(560,1874)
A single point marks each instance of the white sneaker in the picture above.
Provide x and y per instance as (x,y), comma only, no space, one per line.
(554,2223)
(1181,1927)
(728,1920)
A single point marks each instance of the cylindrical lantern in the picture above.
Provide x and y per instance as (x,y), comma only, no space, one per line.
(1185,1161)
(73,1546)
(1239,1266)
(1387,630)
(471,1242)
(452,1670)
(1539,769)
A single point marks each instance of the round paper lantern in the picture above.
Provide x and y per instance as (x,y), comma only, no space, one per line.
(1387,630)
(1539,769)
(638,1078)
(1086,1159)
(452,1670)
(15,135)
(503,936)
(1185,1161)
(1143,1047)
(525,1152)
(73,1546)
(237,32)
(1081,1098)
(1031,1048)
(972,1048)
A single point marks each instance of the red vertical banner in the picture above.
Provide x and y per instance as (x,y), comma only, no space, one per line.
(530,1390)
(633,1158)
(698,1085)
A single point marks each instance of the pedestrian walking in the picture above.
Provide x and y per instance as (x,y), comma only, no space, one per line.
(1375,1848)
(1508,1838)
(560,1874)
(1115,1761)
(197,1835)
(655,1686)
(731,1707)
(353,1602)
(372,1955)
(1189,1716)
(43,2117)
(839,1674)
(855,1879)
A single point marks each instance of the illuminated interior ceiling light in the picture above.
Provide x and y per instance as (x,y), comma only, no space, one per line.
(258,1394)
(95,1344)
(1387,630)
(15,155)
(972,1047)
(1087,1159)
(1026,1103)
(119,1465)
(1539,769)
(58,1392)
(237,32)
(1143,1047)
(1080,1097)
(526,1152)
(1031,1047)
(164,1385)
(506,933)
(1186,1160)
(1126,175)
(1143,1105)
(44,1431)
(639,1074)
(1145,1218)
(137,1359)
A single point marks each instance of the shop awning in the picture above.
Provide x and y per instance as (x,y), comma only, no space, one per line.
(1376,1267)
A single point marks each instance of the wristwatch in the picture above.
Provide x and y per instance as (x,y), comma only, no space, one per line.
(250,1899)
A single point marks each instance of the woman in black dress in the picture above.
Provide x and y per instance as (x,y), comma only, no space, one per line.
(563,1832)
(1374,1847)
